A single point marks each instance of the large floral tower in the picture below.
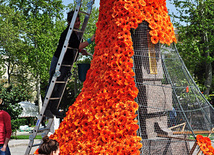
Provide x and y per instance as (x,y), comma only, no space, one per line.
(103,118)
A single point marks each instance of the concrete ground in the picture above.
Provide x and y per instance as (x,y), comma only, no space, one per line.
(19,146)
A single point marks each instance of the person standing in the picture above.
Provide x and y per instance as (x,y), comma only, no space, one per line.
(69,59)
(5,130)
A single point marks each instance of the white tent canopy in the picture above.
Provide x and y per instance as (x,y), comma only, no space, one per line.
(29,109)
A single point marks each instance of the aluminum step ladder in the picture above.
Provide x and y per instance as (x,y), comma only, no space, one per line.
(54,80)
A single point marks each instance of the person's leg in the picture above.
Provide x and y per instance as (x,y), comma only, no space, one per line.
(1,152)
(54,61)
(53,66)
(8,151)
(58,89)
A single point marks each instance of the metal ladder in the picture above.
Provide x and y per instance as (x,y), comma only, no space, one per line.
(54,81)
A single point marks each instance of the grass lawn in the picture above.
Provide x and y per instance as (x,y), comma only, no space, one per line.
(25,137)
(204,135)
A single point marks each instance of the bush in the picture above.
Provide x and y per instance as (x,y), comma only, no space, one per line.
(13,94)
(16,123)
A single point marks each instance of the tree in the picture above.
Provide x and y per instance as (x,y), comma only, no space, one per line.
(12,95)
(39,33)
(196,38)
(10,42)
(36,26)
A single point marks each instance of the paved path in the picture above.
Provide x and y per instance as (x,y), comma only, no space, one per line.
(18,147)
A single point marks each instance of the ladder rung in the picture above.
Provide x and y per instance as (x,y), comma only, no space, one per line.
(60,81)
(66,65)
(55,98)
(43,129)
(78,30)
(36,145)
(71,48)
(84,12)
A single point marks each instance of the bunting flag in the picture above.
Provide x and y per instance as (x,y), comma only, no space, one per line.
(103,118)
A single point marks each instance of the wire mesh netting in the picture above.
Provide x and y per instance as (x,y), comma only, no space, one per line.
(172,110)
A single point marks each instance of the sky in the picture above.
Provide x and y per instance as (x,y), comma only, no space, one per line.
(170,7)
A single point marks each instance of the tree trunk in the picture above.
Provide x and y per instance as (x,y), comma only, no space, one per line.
(208,68)
(38,90)
(208,78)
(8,72)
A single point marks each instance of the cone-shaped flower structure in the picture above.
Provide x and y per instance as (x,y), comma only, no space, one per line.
(102,119)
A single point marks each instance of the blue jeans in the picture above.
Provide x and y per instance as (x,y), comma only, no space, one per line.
(7,152)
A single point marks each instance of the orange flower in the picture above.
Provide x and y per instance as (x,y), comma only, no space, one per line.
(148,17)
(142,2)
(167,40)
(154,39)
(205,144)
(153,25)
(36,152)
(148,10)
(100,125)
(128,53)
(211,149)
(122,120)
(207,140)
(153,33)
(85,130)
(128,6)
(204,148)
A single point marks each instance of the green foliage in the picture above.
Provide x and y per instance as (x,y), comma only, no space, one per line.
(12,95)
(196,38)
(16,123)
(30,30)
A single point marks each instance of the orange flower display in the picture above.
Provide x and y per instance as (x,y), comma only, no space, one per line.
(103,118)
(36,152)
(156,14)
(205,144)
